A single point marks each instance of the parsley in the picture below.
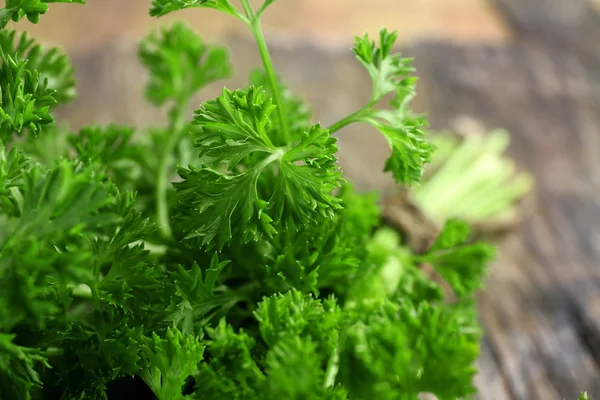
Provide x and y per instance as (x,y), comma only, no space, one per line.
(256,273)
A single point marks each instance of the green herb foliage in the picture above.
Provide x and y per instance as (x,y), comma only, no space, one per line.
(256,273)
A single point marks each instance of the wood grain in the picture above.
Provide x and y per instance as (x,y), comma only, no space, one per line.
(541,307)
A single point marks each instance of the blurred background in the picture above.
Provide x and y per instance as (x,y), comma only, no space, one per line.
(324,22)
(529,66)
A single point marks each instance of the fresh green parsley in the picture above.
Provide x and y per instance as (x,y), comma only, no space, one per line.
(221,255)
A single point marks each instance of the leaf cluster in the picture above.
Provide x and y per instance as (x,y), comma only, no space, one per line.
(222,254)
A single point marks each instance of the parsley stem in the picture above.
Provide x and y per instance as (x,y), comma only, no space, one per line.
(333,366)
(342,123)
(54,352)
(354,117)
(268,65)
(162,179)
(248,9)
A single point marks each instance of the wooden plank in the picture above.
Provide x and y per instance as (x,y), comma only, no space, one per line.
(490,380)
(569,24)
(542,346)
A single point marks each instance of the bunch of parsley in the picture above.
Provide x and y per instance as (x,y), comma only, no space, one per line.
(223,257)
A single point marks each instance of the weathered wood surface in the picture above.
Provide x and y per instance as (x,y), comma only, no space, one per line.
(541,309)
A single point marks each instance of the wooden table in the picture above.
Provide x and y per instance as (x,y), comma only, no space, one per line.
(541,310)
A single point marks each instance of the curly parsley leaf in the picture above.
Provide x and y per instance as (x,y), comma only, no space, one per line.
(197,297)
(217,206)
(164,7)
(32,9)
(231,370)
(390,73)
(132,281)
(405,136)
(170,361)
(63,201)
(49,146)
(13,163)
(461,264)
(114,150)
(18,364)
(111,149)
(403,130)
(388,70)
(180,64)
(295,314)
(312,300)
(75,228)
(408,348)
(299,113)
(25,99)
(95,349)
(301,333)
(399,309)
(101,146)
(52,64)
(294,371)
(321,256)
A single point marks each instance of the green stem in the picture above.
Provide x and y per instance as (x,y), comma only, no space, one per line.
(354,117)
(248,9)
(54,352)
(344,122)
(268,65)
(333,367)
(18,196)
(162,179)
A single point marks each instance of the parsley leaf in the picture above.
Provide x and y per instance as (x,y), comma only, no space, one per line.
(405,136)
(388,71)
(18,367)
(407,349)
(293,370)
(231,371)
(111,148)
(294,314)
(171,360)
(164,7)
(49,146)
(97,349)
(299,113)
(51,64)
(180,63)
(101,146)
(321,256)
(25,99)
(217,206)
(197,297)
(32,9)
(402,129)
(461,264)
(12,165)
(301,333)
